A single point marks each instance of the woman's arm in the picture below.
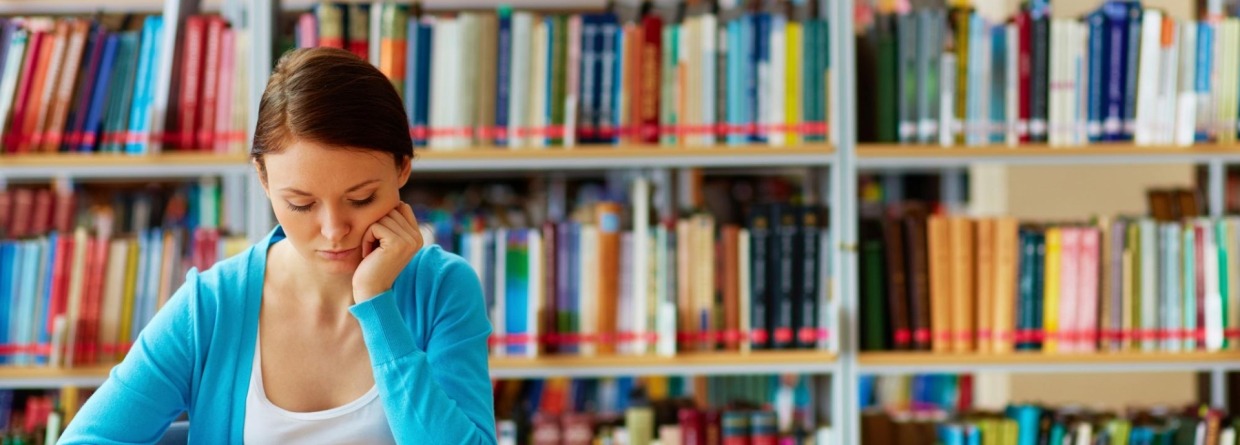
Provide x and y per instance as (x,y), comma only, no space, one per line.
(441,395)
(150,388)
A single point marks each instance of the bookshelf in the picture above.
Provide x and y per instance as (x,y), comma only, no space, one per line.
(703,364)
(622,157)
(841,160)
(1037,362)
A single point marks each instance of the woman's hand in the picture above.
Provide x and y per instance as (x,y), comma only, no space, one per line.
(387,247)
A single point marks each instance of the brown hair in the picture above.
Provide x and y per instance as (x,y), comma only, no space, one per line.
(332,97)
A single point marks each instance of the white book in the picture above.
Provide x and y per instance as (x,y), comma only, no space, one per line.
(538,85)
(708,29)
(665,268)
(1205,59)
(1148,77)
(1087,295)
(8,83)
(1164,130)
(573,81)
(1172,310)
(1226,90)
(500,310)
(1149,280)
(1227,437)
(587,295)
(777,88)
(641,261)
(1080,90)
(519,77)
(827,312)
(948,127)
(537,291)
(1186,101)
(1214,298)
(376,31)
(440,93)
(588,58)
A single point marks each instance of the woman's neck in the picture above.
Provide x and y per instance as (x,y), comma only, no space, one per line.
(305,282)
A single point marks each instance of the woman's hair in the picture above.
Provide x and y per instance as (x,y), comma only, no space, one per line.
(331,97)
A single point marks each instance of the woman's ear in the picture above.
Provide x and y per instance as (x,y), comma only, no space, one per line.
(405,170)
(262,176)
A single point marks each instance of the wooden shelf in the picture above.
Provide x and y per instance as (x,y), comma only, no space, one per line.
(621,156)
(914,156)
(1036,362)
(707,363)
(713,363)
(100,166)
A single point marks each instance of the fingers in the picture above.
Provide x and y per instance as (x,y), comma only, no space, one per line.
(368,240)
(407,211)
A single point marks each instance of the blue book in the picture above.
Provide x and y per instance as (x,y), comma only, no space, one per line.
(1097,22)
(607,78)
(1039,282)
(563,292)
(1057,432)
(973,436)
(1205,63)
(503,74)
(92,129)
(737,57)
(1026,417)
(143,95)
(412,59)
(422,81)
(951,434)
(587,71)
(10,267)
(996,131)
(516,290)
(23,318)
(1190,286)
(572,306)
(1025,294)
(1170,299)
(96,40)
(617,118)
(760,66)
(45,298)
(7,28)
(1115,62)
(1132,41)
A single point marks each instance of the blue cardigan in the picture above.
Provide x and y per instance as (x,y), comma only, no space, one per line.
(427,339)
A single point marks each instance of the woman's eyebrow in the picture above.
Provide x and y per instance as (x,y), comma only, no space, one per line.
(304,193)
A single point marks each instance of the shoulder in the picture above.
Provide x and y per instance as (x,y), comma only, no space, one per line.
(433,268)
(222,286)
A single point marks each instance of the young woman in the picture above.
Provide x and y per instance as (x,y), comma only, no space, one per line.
(338,327)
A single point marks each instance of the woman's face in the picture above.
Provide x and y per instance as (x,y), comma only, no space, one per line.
(325,198)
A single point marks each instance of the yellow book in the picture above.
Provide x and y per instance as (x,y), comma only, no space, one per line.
(792,82)
(961,238)
(1007,253)
(1050,291)
(987,272)
(940,269)
(131,284)
(1132,284)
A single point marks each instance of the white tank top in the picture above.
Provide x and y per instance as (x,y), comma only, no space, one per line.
(361,421)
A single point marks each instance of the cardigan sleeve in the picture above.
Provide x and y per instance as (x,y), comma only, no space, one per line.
(151,386)
(440,395)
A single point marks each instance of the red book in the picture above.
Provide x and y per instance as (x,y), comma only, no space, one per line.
(62,214)
(22,99)
(691,428)
(546,430)
(191,80)
(650,66)
(210,84)
(41,217)
(23,206)
(60,279)
(1024,28)
(577,429)
(94,298)
(6,217)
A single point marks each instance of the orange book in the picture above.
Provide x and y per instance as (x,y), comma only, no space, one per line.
(986,279)
(34,101)
(730,283)
(607,217)
(684,282)
(56,60)
(63,95)
(963,295)
(1007,252)
(941,265)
